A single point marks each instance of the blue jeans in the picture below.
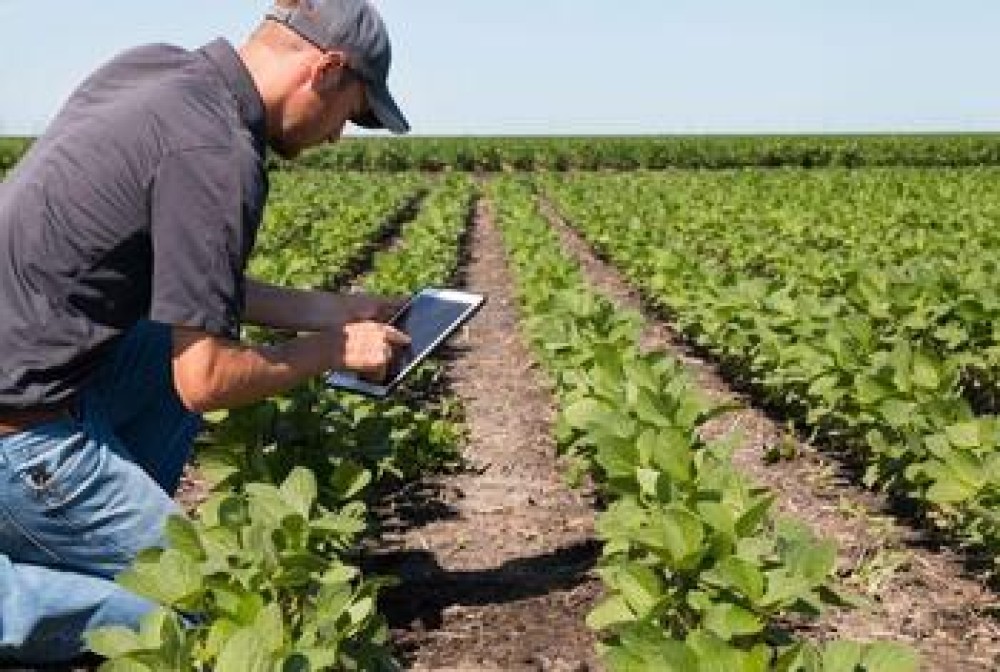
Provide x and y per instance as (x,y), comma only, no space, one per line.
(81,496)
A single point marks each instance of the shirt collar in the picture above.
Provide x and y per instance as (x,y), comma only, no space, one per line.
(229,64)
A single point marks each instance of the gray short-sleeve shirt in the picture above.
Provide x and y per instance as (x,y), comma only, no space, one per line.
(141,200)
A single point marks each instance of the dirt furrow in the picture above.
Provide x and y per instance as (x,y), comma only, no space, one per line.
(916,592)
(495,561)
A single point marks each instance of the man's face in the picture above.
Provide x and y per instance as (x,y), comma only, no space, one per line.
(318,111)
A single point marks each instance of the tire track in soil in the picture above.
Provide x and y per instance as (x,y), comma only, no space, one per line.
(495,561)
(919,594)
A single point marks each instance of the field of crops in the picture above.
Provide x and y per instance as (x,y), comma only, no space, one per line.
(563,489)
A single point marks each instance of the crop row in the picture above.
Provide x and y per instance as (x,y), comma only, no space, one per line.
(11,151)
(864,303)
(265,577)
(698,569)
(654,152)
(318,226)
(629,153)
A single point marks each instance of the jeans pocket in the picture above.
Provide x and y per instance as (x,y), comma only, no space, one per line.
(55,462)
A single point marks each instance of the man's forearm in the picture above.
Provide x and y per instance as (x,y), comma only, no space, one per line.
(290,309)
(211,373)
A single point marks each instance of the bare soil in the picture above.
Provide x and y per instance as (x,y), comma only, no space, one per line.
(495,561)
(917,591)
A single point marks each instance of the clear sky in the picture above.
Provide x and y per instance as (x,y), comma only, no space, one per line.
(583,66)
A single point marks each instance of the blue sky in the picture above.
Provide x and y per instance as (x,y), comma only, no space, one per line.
(583,66)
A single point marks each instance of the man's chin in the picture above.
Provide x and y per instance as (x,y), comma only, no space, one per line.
(287,153)
(286,148)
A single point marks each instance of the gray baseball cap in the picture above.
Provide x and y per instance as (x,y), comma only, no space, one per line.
(355,27)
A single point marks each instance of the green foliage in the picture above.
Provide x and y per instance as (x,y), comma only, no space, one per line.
(788,279)
(11,150)
(255,584)
(320,227)
(652,152)
(698,571)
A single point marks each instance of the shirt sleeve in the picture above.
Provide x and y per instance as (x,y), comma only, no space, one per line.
(199,246)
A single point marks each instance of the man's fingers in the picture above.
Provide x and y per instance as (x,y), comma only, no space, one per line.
(370,348)
(396,337)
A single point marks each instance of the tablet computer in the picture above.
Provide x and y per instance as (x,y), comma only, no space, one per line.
(428,318)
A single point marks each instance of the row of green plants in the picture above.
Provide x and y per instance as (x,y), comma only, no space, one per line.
(266,576)
(653,152)
(630,152)
(11,151)
(865,304)
(700,573)
(319,226)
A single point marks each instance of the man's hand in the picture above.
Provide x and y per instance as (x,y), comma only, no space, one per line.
(369,348)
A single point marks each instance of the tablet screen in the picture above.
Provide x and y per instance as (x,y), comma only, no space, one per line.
(424,320)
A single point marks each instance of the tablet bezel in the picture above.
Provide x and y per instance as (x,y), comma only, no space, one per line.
(343,380)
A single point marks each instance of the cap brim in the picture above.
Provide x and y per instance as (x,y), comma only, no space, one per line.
(383,112)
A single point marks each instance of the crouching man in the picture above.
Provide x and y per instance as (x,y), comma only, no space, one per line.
(124,238)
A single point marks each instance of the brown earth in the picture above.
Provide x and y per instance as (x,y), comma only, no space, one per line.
(918,591)
(495,561)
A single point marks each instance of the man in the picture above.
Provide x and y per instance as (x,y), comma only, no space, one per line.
(124,235)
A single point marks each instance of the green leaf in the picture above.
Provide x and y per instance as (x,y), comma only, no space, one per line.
(755,516)
(925,372)
(618,460)
(739,575)
(730,620)
(362,610)
(183,536)
(349,479)
(949,490)
(168,577)
(899,414)
(220,632)
(783,590)
(841,657)
(678,532)
(648,480)
(645,647)
(113,641)
(800,657)
(245,652)
(595,417)
(639,585)
(716,655)
(890,657)
(611,612)
(299,491)
(720,519)
(815,560)
(964,435)
(217,468)
(671,451)
(270,628)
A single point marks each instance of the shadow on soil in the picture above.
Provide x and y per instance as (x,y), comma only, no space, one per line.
(427,589)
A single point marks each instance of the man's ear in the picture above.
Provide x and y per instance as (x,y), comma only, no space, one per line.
(328,71)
